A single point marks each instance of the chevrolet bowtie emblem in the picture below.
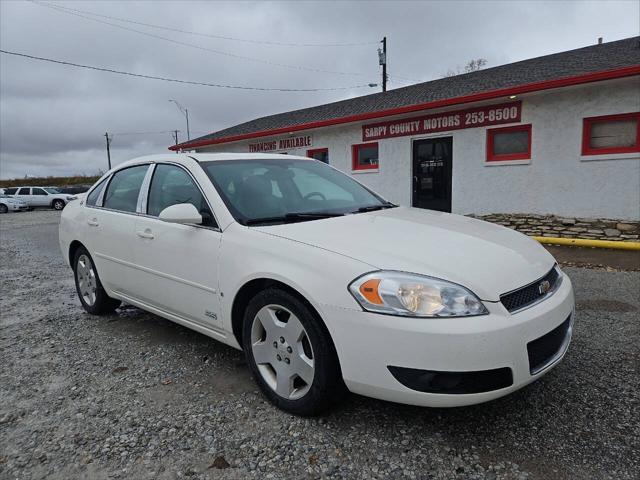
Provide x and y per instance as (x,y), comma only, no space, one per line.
(544,287)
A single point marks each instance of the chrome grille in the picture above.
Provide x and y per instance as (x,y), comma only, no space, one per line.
(530,294)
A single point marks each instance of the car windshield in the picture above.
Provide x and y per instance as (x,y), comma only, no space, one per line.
(52,190)
(271,191)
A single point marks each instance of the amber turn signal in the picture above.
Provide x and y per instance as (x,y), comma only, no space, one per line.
(369,290)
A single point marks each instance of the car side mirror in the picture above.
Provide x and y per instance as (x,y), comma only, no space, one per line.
(181,213)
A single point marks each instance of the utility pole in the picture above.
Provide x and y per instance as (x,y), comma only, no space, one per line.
(186,114)
(382,59)
(175,137)
(106,135)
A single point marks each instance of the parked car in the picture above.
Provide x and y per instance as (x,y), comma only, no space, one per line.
(73,189)
(322,282)
(40,196)
(11,204)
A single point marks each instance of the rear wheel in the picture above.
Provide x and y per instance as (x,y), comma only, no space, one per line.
(291,354)
(92,295)
(3,208)
(58,204)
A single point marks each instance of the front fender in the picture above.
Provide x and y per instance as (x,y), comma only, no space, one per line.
(321,276)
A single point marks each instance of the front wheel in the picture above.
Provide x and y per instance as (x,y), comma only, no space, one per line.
(58,204)
(291,354)
(92,295)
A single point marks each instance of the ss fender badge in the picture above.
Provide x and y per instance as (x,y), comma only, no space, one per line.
(210,314)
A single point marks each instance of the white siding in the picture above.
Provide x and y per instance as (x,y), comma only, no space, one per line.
(558,180)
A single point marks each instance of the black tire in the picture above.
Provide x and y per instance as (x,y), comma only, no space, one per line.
(3,208)
(57,204)
(103,303)
(327,387)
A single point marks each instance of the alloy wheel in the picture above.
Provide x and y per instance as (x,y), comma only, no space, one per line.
(86,277)
(282,351)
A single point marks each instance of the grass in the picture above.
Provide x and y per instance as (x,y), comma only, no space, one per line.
(50,181)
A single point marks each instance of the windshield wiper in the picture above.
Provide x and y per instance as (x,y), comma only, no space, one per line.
(292,218)
(372,208)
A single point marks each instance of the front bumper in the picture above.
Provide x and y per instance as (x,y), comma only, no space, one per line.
(368,344)
(17,208)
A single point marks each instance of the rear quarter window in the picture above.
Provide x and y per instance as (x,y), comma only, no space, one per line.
(93,197)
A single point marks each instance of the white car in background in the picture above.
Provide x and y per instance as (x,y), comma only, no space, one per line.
(322,282)
(11,204)
(37,197)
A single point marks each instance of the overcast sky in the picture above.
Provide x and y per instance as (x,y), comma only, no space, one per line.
(53,117)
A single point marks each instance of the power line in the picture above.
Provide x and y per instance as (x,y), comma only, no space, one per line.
(406,82)
(218,37)
(144,133)
(199,47)
(188,82)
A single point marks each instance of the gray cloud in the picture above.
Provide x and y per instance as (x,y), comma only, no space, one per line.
(53,118)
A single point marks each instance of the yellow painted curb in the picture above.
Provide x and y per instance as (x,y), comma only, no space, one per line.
(583,242)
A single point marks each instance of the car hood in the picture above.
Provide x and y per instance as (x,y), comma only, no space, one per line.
(486,258)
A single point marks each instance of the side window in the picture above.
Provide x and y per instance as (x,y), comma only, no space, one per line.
(10,191)
(171,185)
(38,191)
(95,193)
(23,191)
(122,192)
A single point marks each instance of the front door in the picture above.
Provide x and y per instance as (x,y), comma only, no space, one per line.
(179,262)
(432,173)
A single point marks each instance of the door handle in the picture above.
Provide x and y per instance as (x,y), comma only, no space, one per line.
(146,234)
(93,222)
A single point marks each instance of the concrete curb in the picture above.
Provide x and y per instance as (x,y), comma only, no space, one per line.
(582,242)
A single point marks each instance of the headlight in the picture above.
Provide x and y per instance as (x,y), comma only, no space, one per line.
(407,294)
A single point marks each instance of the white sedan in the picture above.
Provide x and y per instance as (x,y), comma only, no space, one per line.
(11,204)
(325,285)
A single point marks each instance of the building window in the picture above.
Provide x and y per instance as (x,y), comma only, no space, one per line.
(321,154)
(364,156)
(611,134)
(509,143)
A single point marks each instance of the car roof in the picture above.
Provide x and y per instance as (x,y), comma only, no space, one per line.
(207,157)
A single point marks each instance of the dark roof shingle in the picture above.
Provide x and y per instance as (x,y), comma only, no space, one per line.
(591,59)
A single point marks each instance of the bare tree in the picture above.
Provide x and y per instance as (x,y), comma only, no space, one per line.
(472,65)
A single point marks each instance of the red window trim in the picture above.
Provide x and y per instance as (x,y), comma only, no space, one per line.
(510,156)
(316,150)
(586,134)
(354,156)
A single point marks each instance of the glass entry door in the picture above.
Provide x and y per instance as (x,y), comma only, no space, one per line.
(432,173)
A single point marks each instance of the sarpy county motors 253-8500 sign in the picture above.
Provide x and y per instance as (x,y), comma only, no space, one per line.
(439,122)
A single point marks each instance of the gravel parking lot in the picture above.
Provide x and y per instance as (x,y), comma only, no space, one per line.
(134,396)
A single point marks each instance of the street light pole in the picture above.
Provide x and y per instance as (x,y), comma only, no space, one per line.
(185,112)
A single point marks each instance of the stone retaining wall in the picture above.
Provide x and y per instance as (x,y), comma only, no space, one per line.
(552,226)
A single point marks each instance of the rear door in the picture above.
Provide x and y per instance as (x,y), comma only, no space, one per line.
(179,262)
(110,227)
(39,197)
